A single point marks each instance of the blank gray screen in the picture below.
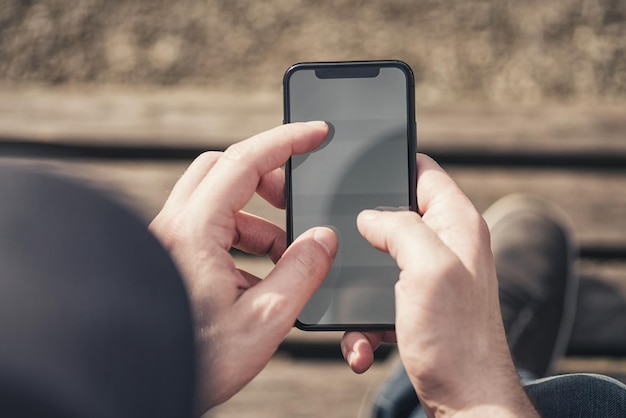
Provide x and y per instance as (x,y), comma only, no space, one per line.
(362,165)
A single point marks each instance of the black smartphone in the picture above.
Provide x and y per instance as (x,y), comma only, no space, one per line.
(366,162)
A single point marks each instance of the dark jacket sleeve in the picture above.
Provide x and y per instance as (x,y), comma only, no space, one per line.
(94,318)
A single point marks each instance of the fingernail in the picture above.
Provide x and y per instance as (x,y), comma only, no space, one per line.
(368,214)
(349,357)
(317,124)
(327,239)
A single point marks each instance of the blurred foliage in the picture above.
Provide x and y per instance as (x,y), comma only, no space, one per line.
(494,50)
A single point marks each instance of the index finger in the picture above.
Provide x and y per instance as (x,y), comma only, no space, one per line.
(234,178)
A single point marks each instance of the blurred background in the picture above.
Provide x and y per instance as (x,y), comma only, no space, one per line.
(498,51)
(511,96)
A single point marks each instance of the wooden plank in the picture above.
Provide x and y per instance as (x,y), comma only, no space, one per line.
(580,128)
(596,202)
(330,389)
(145,117)
(209,118)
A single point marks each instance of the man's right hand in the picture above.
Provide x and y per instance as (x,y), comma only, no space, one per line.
(448,323)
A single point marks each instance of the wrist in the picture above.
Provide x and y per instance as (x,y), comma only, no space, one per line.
(496,394)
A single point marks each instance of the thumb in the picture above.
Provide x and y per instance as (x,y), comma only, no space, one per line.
(281,296)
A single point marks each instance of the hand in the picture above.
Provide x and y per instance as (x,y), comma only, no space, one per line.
(240,319)
(448,323)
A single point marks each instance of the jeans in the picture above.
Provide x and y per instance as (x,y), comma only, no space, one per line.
(578,395)
(567,396)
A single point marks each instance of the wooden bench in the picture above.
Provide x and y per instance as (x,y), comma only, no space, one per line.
(139,142)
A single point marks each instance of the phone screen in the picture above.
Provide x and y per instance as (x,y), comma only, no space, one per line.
(366,162)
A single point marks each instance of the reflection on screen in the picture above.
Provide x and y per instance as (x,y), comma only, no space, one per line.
(362,165)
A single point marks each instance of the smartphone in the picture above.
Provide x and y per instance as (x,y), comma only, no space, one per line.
(366,162)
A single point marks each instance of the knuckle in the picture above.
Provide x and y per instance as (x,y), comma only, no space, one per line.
(406,218)
(206,159)
(238,153)
(401,223)
(270,306)
(307,262)
(172,232)
(308,259)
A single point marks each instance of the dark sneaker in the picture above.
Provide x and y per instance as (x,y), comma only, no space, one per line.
(535,255)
